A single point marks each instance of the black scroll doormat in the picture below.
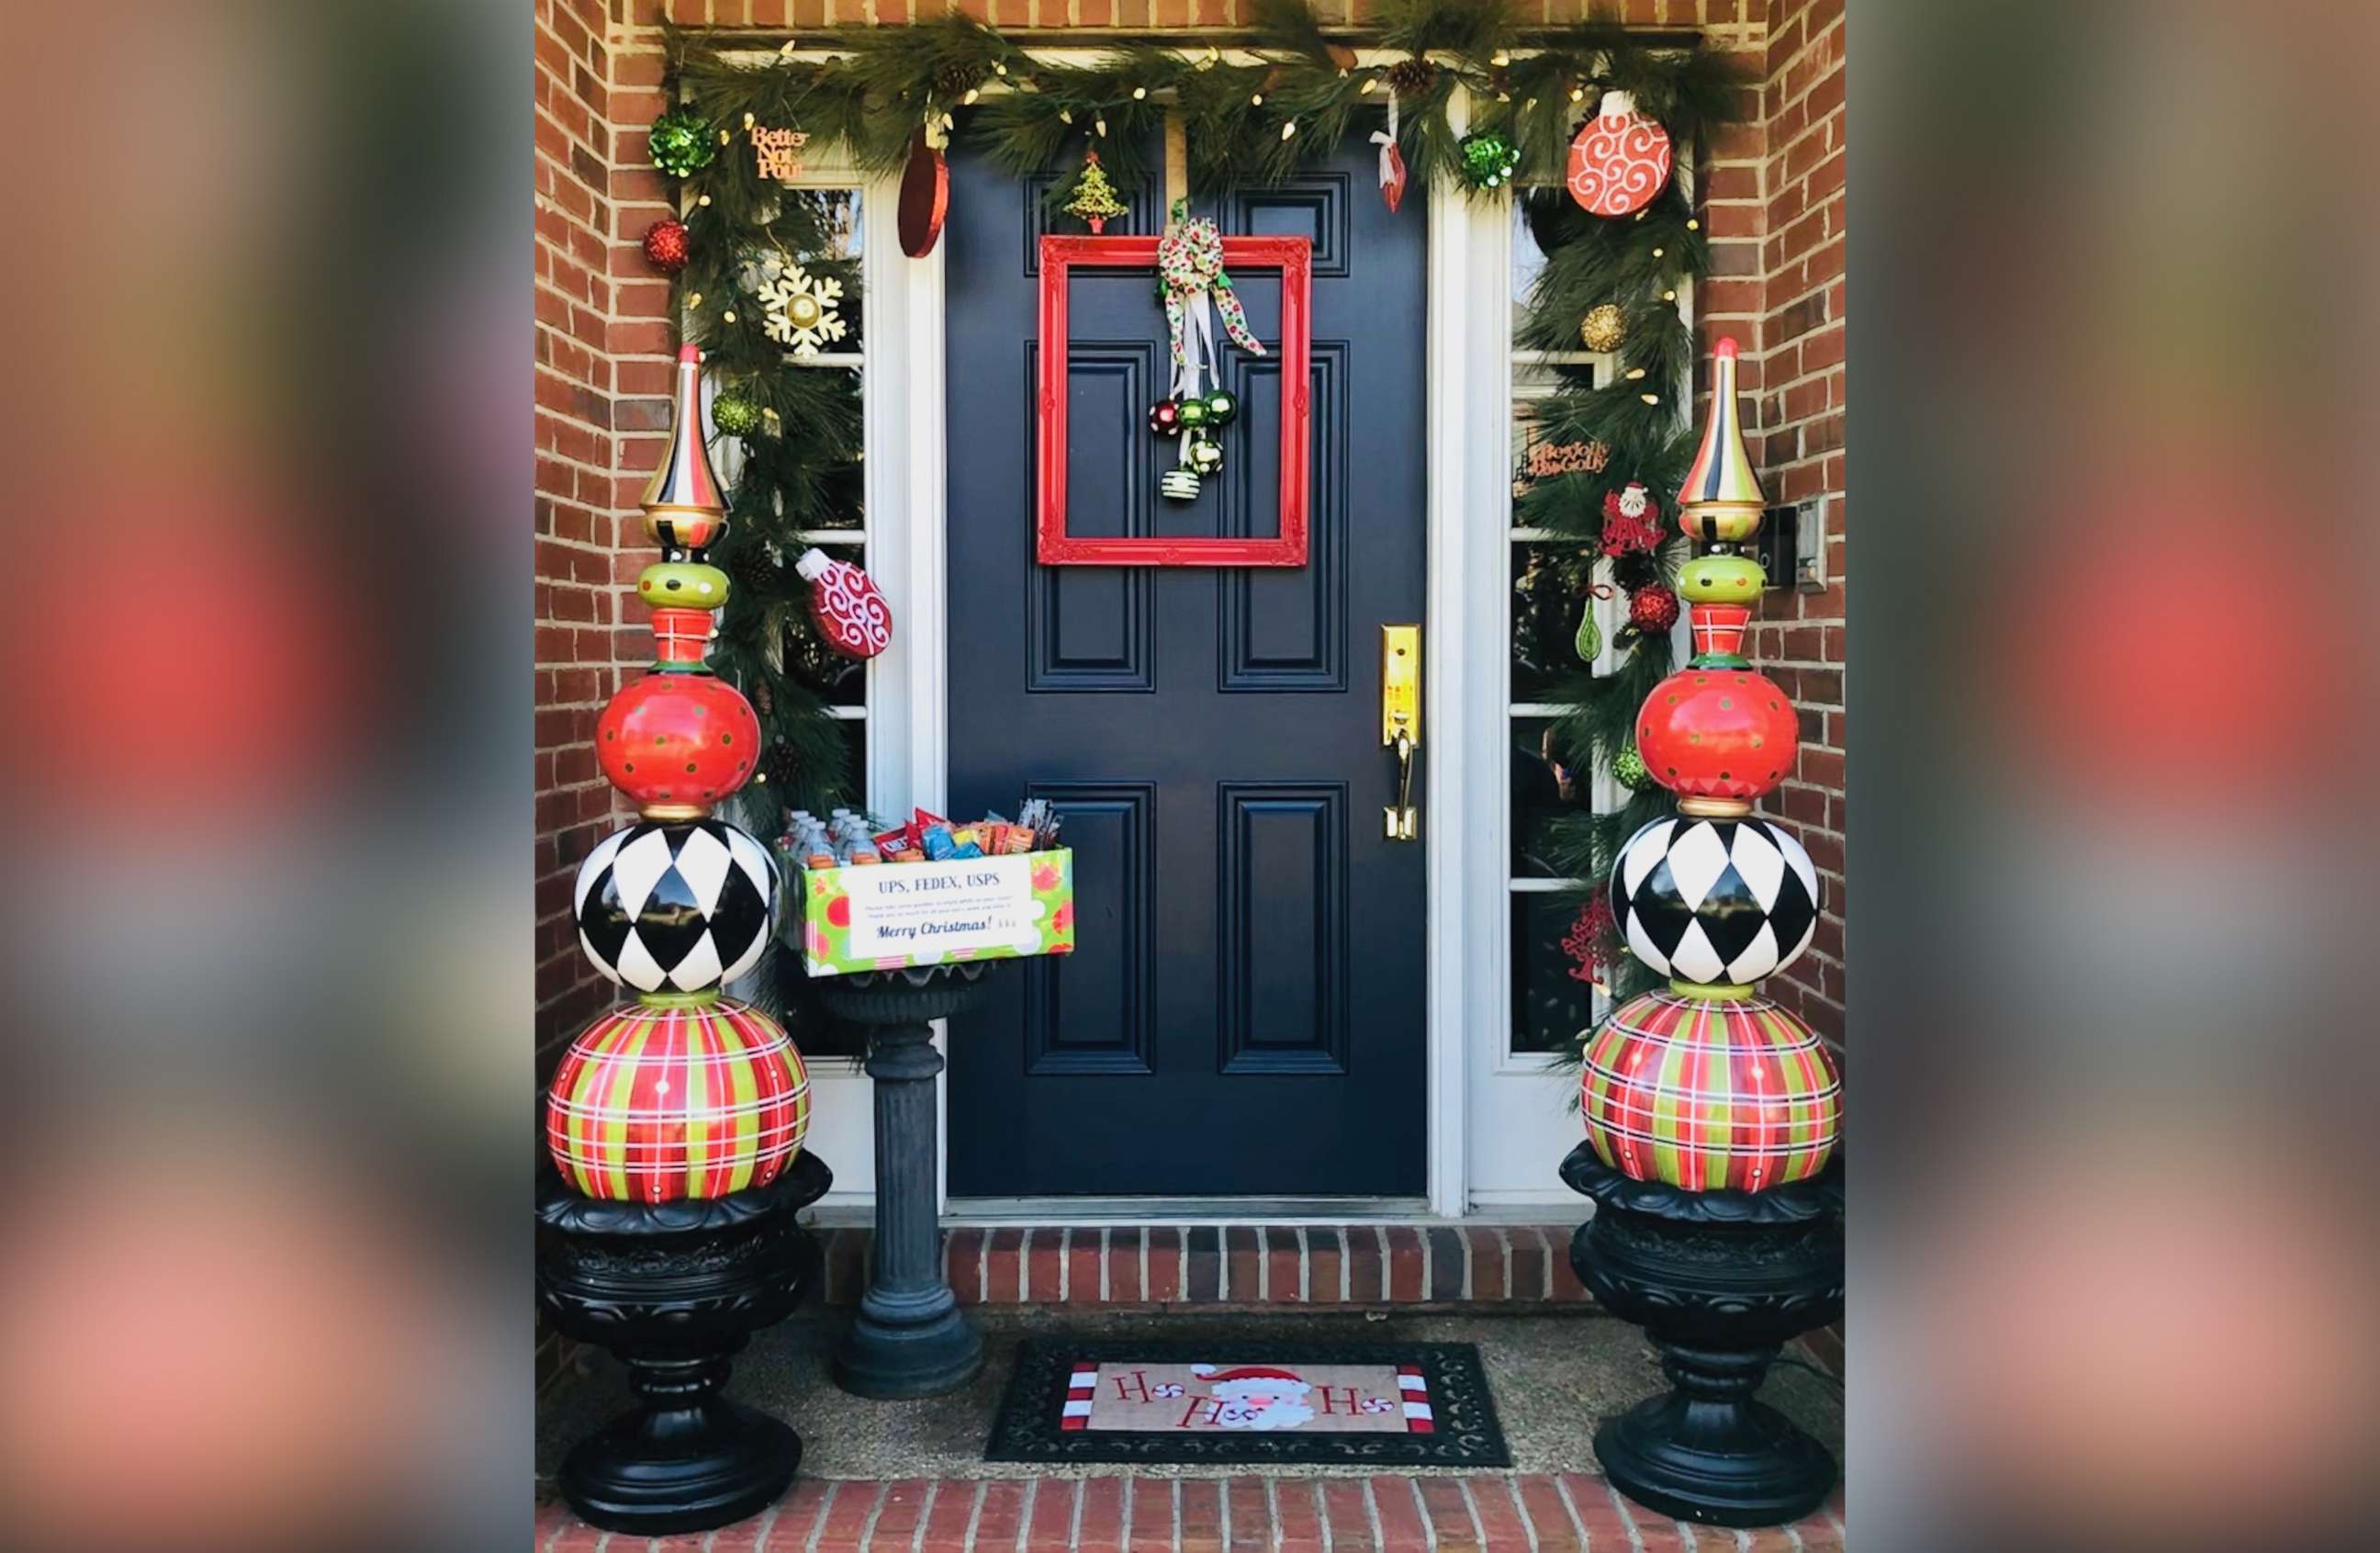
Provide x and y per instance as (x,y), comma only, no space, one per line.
(1361,1403)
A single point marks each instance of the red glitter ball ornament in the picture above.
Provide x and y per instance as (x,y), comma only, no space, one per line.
(1652,608)
(1718,733)
(668,245)
(677,743)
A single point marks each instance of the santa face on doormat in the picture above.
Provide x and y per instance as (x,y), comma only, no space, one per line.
(1256,1397)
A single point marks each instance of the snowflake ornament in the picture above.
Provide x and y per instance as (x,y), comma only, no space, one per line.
(799,309)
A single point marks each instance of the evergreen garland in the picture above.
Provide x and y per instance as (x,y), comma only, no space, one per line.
(1247,125)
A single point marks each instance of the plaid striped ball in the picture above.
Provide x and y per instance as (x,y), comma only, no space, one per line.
(1709,1093)
(690,1099)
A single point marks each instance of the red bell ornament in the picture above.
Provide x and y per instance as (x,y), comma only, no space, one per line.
(1718,733)
(848,606)
(677,743)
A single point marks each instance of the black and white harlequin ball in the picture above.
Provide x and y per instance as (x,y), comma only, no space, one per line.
(676,905)
(1717,902)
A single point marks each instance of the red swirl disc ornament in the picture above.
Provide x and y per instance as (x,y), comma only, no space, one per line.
(677,743)
(1718,733)
(1619,162)
(850,609)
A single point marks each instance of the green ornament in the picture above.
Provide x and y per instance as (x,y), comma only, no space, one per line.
(1221,407)
(1194,413)
(1589,640)
(735,415)
(1628,769)
(1205,455)
(1489,157)
(692,585)
(682,142)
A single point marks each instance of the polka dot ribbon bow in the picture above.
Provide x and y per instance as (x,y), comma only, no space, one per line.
(1190,263)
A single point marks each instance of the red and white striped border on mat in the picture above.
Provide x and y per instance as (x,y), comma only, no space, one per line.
(1077,1414)
(1415,1392)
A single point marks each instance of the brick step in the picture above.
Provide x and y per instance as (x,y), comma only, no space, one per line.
(1482,1512)
(1420,1265)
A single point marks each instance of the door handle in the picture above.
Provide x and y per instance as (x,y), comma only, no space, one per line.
(1401,721)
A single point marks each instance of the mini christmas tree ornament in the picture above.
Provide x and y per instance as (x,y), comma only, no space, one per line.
(1190,268)
(1093,201)
(925,195)
(1619,161)
(1631,523)
(668,245)
(1628,769)
(735,415)
(848,605)
(1605,327)
(1652,609)
(1487,159)
(1392,160)
(799,309)
(1720,501)
(1590,939)
(682,143)
(1165,418)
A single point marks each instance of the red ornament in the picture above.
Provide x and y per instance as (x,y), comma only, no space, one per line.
(668,245)
(1718,733)
(1652,609)
(1595,931)
(1620,163)
(850,609)
(677,743)
(1631,521)
(925,196)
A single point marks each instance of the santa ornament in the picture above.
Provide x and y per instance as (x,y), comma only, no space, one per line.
(1620,163)
(1257,1396)
(848,606)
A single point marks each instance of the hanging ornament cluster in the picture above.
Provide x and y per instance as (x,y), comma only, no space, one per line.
(1619,161)
(668,245)
(1631,521)
(848,605)
(682,142)
(1190,271)
(1093,201)
(688,1094)
(733,415)
(1605,327)
(1487,158)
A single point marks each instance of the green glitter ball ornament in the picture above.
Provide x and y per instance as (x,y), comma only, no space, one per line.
(1490,158)
(683,144)
(1628,769)
(735,415)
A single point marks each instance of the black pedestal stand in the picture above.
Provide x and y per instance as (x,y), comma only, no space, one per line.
(909,1338)
(1719,1280)
(675,1289)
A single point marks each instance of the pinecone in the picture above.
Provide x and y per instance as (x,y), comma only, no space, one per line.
(756,568)
(780,767)
(953,82)
(809,657)
(1411,78)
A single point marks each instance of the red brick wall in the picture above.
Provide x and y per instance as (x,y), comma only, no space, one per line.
(1801,414)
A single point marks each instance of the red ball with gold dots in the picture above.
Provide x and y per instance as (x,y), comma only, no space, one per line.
(1718,733)
(677,743)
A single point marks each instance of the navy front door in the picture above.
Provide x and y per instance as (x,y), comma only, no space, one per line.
(1244,1012)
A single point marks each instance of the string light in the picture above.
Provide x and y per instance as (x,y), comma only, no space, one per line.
(1139,92)
(727,317)
(1500,58)
(972,93)
(1255,100)
(1371,84)
(1100,128)
(1288,130)
(695,300)
(999,68)
(1694,226)
(1577,93)
(749,121)
(1529,106)
(1634,373)
(1668,296)
(1065,115)
(703,199)
(725,137)
(1658,252)
(1650,398)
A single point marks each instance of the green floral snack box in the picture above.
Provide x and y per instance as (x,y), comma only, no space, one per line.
(885,916)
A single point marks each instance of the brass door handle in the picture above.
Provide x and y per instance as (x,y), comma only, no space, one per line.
(1401,721)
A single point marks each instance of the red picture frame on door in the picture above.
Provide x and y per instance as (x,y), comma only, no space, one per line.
(1292,257)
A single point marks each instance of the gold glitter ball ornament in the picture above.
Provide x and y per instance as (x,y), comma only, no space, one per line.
(1603,328)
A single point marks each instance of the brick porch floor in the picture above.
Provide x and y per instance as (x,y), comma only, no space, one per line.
(1488,1513)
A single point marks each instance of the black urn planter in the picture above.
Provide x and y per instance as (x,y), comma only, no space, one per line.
(676,1290)
(1720,1281)
(909,1339)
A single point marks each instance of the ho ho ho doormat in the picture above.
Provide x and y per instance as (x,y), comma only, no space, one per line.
(1422,1404)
